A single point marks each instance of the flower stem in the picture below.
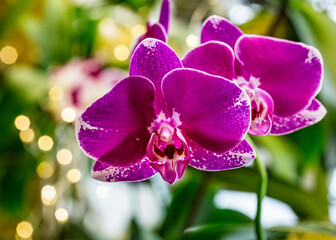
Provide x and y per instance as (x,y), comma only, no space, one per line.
(262,188)
(261,192)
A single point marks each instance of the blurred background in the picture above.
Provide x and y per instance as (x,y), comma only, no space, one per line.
(53,53)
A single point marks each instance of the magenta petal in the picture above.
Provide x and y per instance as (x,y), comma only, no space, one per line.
(154,59)
(156,31)
(171,171)
(212,57)
(290,72)
(134,172)
(313,114)
(114,128)
(214,112)
(165,14)
(203,159)
(220,29)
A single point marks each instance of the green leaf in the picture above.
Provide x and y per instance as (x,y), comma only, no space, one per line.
(184,195)
(284,156)
(305,204)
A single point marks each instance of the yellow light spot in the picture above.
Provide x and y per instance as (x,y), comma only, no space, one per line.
(121,52)
(45,170)
(24,229)
(74,175)
(22,122)
(192,40)
(45,143)
(48,195)
(107,27)
(103,191)
(64,156)
(8,55)
(138,30)
(56,93)
(61,215)
(68,115)
(27,135)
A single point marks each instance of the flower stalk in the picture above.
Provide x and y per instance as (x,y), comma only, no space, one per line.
(261,192)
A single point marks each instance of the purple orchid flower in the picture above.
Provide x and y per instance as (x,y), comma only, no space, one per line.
(281,77)
(158,30)
(163,118)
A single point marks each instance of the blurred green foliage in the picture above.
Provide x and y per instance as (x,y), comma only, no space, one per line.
(55,31)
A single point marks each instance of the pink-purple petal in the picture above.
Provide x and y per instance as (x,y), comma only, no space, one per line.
(154,59)
(290,72)
(156,31)
(138,171)
(214,112)
(165,14)
(203,159)
(220,29)
(313,114)
(114,128)
(213,57)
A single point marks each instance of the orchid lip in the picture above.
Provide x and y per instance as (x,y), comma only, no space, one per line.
(262,106)
(167,149)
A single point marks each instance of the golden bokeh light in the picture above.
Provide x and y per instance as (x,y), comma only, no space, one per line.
(61,215)
(8,55)
(121,52)
(74,175)
(27,136)
(45,170)
(56,93)
(45,143)
(68,115)
(48,195)
(22,122)
(64,156)
(138,30)
(192,40)
(107,27)
(24,230)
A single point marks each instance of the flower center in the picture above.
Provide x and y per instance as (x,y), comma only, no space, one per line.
(167,149)
(262,106)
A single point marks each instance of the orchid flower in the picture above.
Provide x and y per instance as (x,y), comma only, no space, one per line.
(281,77)
(158,30)
(163,118)
(79,77)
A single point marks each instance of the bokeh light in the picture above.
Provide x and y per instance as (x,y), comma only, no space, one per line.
(56,93)
(27,136)
(45,170)
(138,30)
(45,143)
(68,115)
(74,175)
(121,52)
(24,229)
(103,191)
(61,215)
(64,156)
(22,122)
(8,55)
(107,27)
(192,40)
(48,195)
